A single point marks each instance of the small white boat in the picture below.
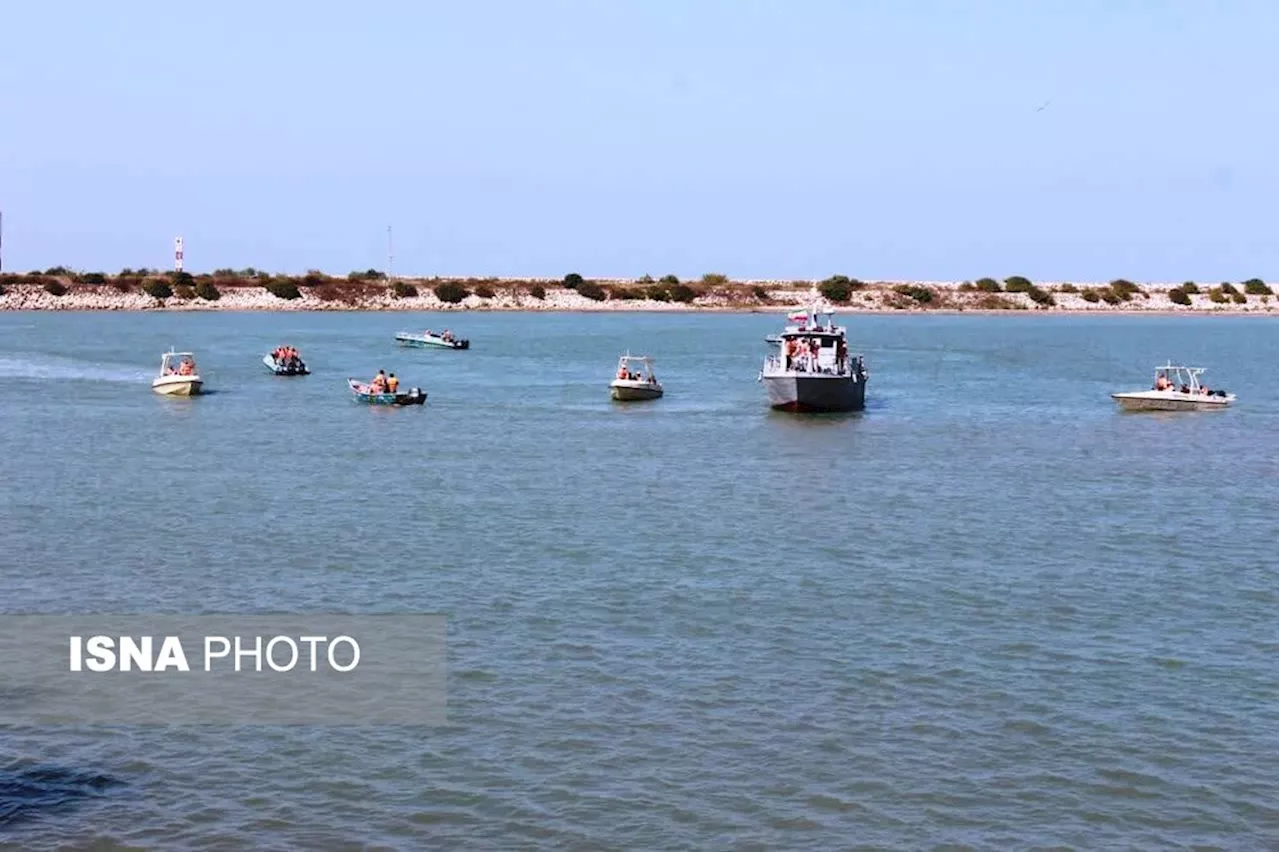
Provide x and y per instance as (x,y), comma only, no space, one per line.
(444,340)
(631,384)
(179,375)
(1176,388)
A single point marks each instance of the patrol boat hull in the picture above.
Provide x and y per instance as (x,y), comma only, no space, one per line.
(810,394)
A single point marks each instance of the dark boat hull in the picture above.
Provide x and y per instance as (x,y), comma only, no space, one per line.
(816,394)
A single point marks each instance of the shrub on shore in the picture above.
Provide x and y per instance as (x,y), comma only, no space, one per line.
(1068,288)
(450,292)
(538,292)
(208,291)
(669,280)
(283,288)
(836,289)
(401,289)
(988,285)
(1123,290)
(1190,288)
(184,291)
(1179,296)
(97,279)
(157,288)
(572,281)
(761,293)
(715,279)
(55,288)
(658,293)
(626,293)
(592,291)
(124,284)
(1043,298)
(1090,295)
(682,293)
(992,302)
(484,291)
(367,275)
(1017,284)
(1217,296)
(1257,287)
(921,295)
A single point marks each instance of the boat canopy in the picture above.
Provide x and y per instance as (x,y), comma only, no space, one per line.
(1180,375)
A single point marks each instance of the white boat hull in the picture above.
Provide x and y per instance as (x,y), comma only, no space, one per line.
(1171,401)
(177,385)
(628,391)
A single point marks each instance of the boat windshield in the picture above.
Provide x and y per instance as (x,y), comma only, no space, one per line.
(1171,377)
(178,363)
(635,369)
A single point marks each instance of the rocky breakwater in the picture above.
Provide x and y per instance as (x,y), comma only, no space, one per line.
(316,292)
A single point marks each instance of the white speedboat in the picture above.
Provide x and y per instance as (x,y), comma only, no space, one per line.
(813,370)
(179,375)
(444,340)
(635,379)
(1176,388)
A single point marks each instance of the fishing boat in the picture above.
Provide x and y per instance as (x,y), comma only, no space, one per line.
(285,361)
(1175,388)
(813,370)
(178,376)
(635,379)
(443,340)
(363,393)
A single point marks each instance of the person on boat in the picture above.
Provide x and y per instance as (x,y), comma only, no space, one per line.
(622,373)
(393,384)
(447,336)
(379,383)
(186,368)
(1163,383)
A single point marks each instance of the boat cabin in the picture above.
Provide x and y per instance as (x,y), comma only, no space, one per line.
(178,364)
(1176,378)
(635,368)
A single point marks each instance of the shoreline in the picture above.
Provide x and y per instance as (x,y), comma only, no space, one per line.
(316,294)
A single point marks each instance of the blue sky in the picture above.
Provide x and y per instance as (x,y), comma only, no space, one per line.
(797,138)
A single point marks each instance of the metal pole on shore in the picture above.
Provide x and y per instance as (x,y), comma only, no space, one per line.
(391,274)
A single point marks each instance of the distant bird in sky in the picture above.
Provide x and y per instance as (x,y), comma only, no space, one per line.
(1041,107)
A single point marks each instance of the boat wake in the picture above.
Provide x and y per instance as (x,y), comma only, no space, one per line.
(52,367)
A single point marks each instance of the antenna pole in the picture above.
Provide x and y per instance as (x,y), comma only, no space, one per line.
(391,274)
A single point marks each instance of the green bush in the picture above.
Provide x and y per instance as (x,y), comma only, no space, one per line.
(1123,290)
(58,272)
(95,278)
(124,284)
(208,291)
(682,293)
(836,289)
(484,291)
(1229,288)
(1190,287)
(402,289)
(538,292)
(1090,295)
(157,288)
(55,288)
(1239,298)
(988,285)
(658,293)
(714,279)
(592,291)
(573,281)
(283,288)
(625,293)
(184,291)
(760,293)
(450,292)
(1017,284)
(669,280)
(1068,288)
(1110,297)
(367,275)
(922,295)
(1217,296)
(1043,298)
(645,279)
(1179,296)
(1257,287)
